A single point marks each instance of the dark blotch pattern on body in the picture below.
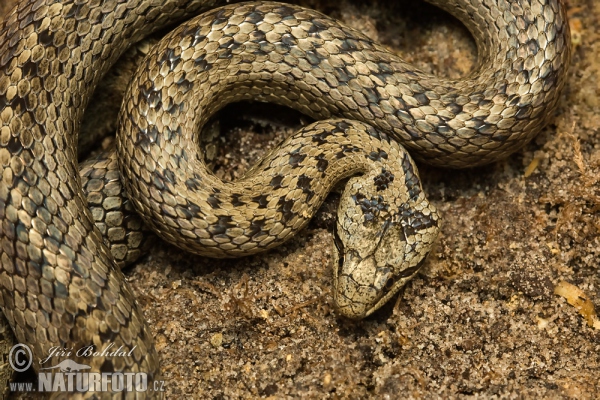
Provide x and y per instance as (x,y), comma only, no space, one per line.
(370,207)
(57,51)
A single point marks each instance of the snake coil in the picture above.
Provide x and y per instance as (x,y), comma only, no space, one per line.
(59,284)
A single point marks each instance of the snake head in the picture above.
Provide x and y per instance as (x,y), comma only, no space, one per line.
(377,250)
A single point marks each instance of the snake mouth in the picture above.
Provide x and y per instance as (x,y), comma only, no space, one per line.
(339,246)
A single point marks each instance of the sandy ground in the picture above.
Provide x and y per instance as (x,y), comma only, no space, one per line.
(480,321)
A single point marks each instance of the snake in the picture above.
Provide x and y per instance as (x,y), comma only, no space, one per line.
(61,286)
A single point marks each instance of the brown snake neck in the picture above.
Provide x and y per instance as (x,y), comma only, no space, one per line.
(61,287)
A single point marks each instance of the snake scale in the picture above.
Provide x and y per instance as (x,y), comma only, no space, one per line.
(60,285)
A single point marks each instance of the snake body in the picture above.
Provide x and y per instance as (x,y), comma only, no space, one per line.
(60,285)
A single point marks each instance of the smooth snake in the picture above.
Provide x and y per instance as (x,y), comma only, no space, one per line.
(60,284)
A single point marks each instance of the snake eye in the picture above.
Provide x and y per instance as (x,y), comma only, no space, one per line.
(390,283)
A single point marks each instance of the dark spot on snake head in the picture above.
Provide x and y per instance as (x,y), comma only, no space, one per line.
(413,221)
(370,208)
(262,200)
(276,181)
(383,179)
(339,245)
(358,198)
